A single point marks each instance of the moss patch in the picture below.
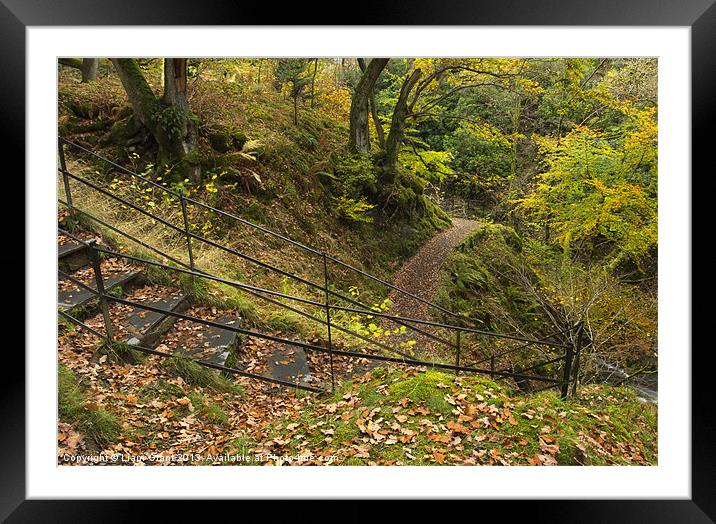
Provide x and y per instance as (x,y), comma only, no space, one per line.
(429,418)
(198,375)
(100,425)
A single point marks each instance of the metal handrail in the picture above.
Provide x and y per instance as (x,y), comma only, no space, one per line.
(314,347)
(277,235)
(328,293)
(204,363)
(401,320)
(256,291)
(302,300)
(265,230)
(210,242)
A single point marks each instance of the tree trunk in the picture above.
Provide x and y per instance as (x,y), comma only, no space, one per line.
(397,127)
(184,146)
(168,119)
(175,83)
(140,95)
(359,139)
(313,83)
(380,135)
(88,67)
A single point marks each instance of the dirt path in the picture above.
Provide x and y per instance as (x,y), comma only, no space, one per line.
(420,275)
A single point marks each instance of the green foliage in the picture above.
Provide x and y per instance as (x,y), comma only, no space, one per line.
(172,120)
(354,210)
(355,175)
(293,71)
(598,189)
(481,157)
(432,166)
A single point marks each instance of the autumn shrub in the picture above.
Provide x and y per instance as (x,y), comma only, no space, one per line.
(503,281)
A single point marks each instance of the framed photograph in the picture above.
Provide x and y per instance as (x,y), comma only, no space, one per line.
(442,252)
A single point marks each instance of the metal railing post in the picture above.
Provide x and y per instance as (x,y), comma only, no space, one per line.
(94,257)
(567,372)
(186,231)
(577,352)
(457,352)
(65,178)
(328,320)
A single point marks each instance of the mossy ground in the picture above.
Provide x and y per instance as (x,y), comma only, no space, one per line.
(429,418)
(100,425)
(388,416)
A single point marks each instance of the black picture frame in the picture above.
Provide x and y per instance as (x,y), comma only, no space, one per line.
(700,15)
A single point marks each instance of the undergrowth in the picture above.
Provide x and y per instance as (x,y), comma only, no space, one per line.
(199,375)
(103,427)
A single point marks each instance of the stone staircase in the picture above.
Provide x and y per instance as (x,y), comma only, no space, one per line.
(157,330)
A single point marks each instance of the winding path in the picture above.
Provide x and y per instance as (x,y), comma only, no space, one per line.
(420,275)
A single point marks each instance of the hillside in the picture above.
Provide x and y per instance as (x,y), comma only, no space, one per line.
(257,165)
(257,224)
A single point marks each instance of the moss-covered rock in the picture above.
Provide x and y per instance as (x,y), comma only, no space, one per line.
(220,140)
(83,108)
(239,138)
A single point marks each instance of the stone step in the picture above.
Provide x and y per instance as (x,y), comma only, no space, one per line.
(77,296)
(69,248)
(211,344)
(289,363)
(72,256)
(145,327)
